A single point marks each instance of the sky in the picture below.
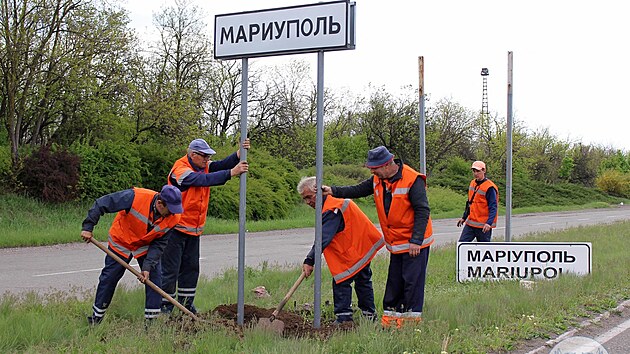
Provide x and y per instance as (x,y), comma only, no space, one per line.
(571,58)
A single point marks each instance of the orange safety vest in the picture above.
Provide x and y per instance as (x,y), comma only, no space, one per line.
(397,227)
(353,248)
(194,199)
(132,232)
(479,211)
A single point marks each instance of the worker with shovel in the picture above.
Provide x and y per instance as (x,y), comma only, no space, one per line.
(349,242)
(144,217)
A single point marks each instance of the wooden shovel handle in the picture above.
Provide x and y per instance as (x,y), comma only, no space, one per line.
(147,282)
(288,296)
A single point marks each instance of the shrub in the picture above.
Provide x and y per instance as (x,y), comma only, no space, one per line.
(270,189)
(107,167)
(157,161)
(50,176)
(5,162)
(614,183)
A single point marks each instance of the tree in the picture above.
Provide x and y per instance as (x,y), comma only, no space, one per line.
(392,122)
(61,65)
(449,132)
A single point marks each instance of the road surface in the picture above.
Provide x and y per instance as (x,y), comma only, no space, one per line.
(74,268)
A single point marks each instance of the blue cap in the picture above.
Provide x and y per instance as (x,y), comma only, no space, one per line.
(200,145)
(377,157)
(172,197)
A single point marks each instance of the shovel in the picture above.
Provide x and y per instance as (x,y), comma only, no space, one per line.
(147,282)
(271,323)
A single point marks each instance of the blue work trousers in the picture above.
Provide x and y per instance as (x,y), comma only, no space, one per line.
(404,290)
(180,269)
(471,233)
(109,278)
(342,295)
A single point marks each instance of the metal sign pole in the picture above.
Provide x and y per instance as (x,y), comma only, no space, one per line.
(319,166)
(240,316)
(422,120)
(508,165)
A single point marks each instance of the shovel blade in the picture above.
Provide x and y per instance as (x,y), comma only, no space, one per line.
(266,324)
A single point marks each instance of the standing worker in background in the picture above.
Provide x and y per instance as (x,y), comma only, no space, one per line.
(349,242)
(144,217)
(480,215)
(193,174)
(403,211)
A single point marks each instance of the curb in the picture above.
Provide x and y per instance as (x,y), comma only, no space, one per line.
(551,343)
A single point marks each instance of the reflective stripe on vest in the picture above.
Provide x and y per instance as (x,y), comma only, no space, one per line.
(355,246)
(397,226)
(366,259)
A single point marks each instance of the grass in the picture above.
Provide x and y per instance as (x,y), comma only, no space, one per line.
(475,317)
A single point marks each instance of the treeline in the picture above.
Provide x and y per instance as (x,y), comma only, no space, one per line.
(89,108)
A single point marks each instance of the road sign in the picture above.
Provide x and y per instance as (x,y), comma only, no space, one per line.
(287,30)
(521,260)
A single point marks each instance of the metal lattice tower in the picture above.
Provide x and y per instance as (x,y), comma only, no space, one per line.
(484,95)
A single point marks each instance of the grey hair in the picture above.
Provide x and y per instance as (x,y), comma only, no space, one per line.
(309,183)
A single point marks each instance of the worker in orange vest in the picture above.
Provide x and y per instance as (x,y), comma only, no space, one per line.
(138,231)
(481,212)
(403,211)
(349,242)
(193,174)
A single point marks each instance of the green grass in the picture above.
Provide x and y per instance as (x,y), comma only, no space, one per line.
(475,317)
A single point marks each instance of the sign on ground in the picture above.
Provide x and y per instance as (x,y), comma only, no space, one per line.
(521,260)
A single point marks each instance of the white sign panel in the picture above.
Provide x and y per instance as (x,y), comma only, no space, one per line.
(287,30)
(521,260)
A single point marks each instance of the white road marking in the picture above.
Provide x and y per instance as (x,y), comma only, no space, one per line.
(70,272)
(583,219)
(605,337)
(545,223)
(133,263)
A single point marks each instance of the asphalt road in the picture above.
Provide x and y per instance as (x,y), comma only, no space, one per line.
(75,267)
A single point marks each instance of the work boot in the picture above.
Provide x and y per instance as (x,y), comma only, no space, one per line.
(94,320)
(166,309)
(192,309)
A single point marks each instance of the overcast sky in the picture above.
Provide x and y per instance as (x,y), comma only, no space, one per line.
(571,58)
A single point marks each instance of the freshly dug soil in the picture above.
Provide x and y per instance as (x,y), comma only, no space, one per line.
(295,325)
(225,316)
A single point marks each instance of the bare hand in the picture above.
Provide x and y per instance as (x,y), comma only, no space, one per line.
(460,222)
(414,249)
(486,228)
(241,167)
(326,190)
(307,270)
(245,146)
(86,236)
(143,276)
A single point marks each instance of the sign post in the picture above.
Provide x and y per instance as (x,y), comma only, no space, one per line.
(313,28)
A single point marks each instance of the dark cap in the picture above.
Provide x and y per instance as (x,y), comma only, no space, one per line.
(200,145)
(377,157)
(172,197)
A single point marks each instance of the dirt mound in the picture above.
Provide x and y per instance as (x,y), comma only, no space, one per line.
(295,325)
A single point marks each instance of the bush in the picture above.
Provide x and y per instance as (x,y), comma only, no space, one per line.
(107,167)
(5,162)
(270,189)
(157,161)
(614,183)
(50,176)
